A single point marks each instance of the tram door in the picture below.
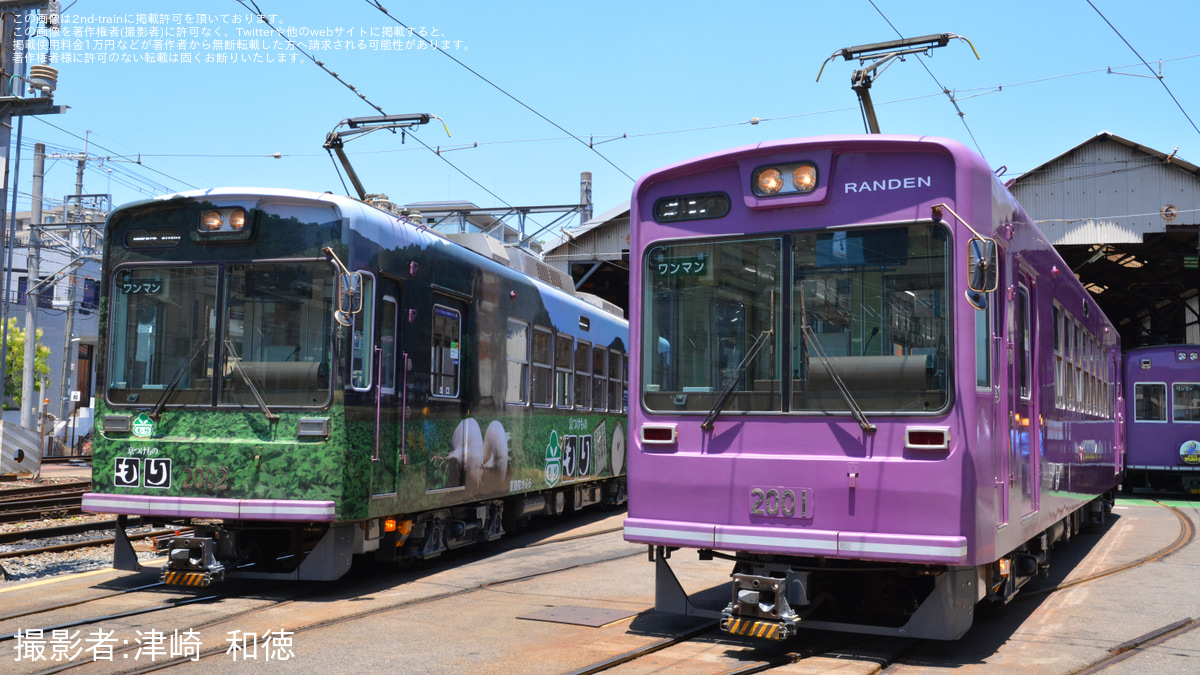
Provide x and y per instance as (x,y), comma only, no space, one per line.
(992,352)
(1024,425)
(389,365)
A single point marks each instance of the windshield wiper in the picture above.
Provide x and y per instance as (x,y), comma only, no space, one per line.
(817,349)
(707,424)
(237,364)
(162,400)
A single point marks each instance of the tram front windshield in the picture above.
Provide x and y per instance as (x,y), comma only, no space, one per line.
(210,328)
(867,307)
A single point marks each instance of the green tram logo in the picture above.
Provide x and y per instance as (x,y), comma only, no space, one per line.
(143,426)
(553,460)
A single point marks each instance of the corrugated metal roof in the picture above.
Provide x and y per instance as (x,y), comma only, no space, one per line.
(1109,190)
(569,233)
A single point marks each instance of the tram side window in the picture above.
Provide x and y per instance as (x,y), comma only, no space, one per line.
(387,343)
(583,375)
(1080,395)
(1058,357)
(1150,402)
(447,331)
(1186,402)
(564,352)
(543,368)
(362,349)
(615,360)
(517,380)
(1024,366)
(599,378)
(983,348)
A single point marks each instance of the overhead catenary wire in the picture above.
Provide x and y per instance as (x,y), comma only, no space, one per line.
(1156,75)
(379,5)
(253,6)
(41,118)
(961,115)
(983,91)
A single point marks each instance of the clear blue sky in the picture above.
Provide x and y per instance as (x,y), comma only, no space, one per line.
(679,79)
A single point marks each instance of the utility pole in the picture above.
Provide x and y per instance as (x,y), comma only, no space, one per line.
(32,287)
(585,197)
(41,82)
(70,279)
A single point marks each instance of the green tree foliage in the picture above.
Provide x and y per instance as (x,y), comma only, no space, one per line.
(15,363)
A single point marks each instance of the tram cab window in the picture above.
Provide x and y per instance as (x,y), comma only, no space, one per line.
(387,344)
(362,348)
(275,330)
(447,336)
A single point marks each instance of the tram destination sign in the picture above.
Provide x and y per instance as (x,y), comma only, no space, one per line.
(687,266)
(131,286)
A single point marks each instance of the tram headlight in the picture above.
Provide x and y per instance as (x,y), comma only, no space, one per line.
(211,221)
(223,221)
(804,178)
(785,180)
(237,220)
(769,181)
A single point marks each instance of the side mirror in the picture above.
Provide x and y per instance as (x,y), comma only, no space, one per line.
(350,300)
(983,271)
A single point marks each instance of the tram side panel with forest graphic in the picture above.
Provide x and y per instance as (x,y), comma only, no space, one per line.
(303,377)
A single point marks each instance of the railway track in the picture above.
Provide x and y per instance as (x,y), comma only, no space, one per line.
(40,502)
(903,648)
(287,595)
(739,655)
(54,532)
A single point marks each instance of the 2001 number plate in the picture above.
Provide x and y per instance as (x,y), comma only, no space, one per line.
(781,502)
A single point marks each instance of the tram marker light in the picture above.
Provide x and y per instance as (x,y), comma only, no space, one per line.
(927,438)
(659,434)
(119,424)
(307,427)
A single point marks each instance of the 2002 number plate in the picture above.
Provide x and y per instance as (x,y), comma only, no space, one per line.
(781,502)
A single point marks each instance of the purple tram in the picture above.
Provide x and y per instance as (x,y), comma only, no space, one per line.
(860,373)
(1163,417)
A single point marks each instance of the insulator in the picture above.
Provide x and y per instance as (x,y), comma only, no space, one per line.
(43,78)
